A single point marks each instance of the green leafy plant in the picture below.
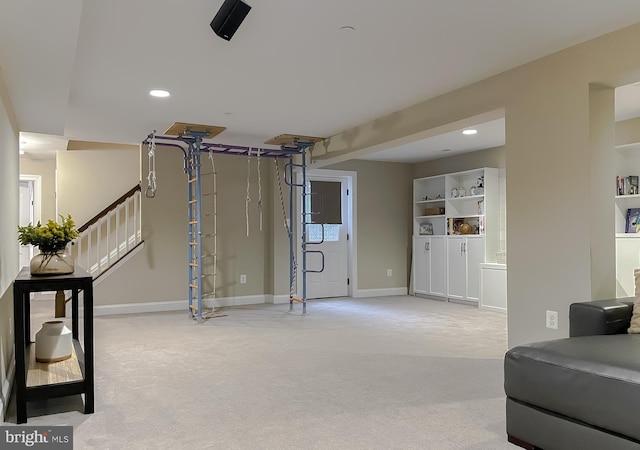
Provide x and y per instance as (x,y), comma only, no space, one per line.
(49,238)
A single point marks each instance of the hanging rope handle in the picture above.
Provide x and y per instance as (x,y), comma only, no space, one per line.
(152,184)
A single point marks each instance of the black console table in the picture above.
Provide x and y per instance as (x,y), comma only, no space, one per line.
(33,381)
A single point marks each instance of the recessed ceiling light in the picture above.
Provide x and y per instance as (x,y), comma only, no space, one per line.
(347,28)
(446,149)
(159,93)
(469,132)
(21,152)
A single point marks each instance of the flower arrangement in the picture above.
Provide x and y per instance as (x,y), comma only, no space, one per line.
(50,238)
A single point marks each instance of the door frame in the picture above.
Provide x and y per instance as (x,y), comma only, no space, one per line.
(350,178)
(35,182)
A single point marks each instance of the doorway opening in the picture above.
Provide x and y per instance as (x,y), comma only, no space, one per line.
(29,210)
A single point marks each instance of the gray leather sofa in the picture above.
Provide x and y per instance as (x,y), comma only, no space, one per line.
(581,392)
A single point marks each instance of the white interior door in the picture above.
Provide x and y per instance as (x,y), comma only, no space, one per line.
(327,244)
(26,217)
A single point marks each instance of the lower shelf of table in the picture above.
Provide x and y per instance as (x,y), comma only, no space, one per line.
(42,374)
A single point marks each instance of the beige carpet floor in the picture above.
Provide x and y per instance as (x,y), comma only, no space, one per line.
(379,373)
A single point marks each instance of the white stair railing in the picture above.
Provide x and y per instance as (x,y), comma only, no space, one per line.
(110,235)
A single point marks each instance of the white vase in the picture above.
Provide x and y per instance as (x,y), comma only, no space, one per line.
(53,342)
(58,263)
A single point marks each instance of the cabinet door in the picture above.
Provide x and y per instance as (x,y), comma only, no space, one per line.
(437,268)
(474,253)
(456,268)
(420,265)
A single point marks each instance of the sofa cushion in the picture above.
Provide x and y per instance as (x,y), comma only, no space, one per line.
(592,379)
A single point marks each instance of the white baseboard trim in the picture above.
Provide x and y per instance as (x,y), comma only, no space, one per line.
(176,305)
(492,308)
(238,301)
(280,299)
(431,297)
(385,292)
(463,301)
(6,389)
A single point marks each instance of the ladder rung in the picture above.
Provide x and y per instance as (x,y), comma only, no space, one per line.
(208,274)
(193,201)
(206,173)
(192,180)
(207,215)
(206,194)
(193,264)
(194,307)
(195,286)
(193,222)
(208,234)
(208,254)
(193,243)
(295,299)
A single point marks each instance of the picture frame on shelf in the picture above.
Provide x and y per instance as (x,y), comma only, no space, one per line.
(426,229)
(633,221)
(631,185)
(619,185)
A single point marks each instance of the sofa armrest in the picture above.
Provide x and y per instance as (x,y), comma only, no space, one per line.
(600,317)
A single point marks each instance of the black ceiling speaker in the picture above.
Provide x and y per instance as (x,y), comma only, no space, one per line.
(229,18)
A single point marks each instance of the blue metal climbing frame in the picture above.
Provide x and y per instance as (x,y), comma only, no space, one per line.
(192,146)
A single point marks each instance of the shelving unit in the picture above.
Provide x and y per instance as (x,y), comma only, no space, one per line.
(446,262)
(38,381)
(627,159)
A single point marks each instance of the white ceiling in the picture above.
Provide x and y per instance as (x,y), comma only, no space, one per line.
(82,70)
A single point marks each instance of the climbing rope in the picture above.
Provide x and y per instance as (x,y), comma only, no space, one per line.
(152,184)
(288,228)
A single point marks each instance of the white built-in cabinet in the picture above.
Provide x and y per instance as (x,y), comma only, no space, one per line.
(429,267)
(456,228)
(464,256)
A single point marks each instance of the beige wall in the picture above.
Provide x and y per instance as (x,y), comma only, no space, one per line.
(551,171)
(89,181)
(384,222)
(9,247)
(46,170)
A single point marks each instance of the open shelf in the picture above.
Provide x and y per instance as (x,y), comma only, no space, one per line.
(40,374)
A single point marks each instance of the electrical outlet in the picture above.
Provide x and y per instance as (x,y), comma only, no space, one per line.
(389,273)
(243,279)
(552,320)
